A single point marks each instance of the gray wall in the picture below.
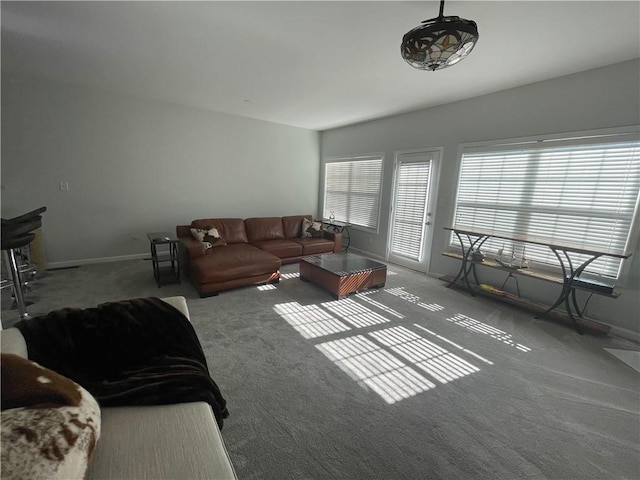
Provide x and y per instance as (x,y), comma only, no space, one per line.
(600,98)
(135,166)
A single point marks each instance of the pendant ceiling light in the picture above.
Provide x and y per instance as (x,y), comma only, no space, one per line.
(439,42)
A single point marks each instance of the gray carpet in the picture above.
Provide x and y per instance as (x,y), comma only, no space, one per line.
(414,381)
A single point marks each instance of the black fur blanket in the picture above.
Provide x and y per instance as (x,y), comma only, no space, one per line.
(134,352)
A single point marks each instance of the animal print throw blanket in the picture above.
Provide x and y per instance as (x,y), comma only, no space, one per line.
(133,352)
(49,424)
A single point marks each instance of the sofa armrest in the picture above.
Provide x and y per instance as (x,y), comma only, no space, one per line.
(180,303)
(12,341)
(336,237)
(190,245)
(193,247)
(185,438)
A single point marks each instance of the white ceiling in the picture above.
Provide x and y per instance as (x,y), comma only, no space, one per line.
(315,65)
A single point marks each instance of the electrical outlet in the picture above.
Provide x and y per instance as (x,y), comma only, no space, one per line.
(64,186)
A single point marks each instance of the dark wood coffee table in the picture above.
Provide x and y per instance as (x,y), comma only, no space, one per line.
(342,273)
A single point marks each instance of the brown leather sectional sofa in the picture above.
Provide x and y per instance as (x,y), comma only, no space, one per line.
(254,251)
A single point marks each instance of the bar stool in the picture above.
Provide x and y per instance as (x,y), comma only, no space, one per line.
(22,253)
(8,247)
(17,233)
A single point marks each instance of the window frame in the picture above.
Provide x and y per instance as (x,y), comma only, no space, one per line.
(591,137)
(354,158)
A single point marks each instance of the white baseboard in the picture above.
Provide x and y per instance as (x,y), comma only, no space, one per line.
(364,253)
(91,261)
(624,333)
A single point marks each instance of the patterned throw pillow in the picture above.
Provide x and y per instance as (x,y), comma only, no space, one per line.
(50,425)
(214,241)
(199,233)
(311,229)
(208,236)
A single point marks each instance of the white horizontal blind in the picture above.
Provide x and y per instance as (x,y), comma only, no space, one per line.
(410,204)
(580,194)
(352,190)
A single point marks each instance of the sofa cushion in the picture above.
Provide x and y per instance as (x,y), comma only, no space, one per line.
(12,341)
(264,228)
(232,262)
(313,246)
(292,225)
(281,248)
(231,230)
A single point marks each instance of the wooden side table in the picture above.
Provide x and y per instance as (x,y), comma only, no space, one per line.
(166,268)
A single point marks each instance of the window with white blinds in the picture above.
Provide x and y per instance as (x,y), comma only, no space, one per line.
(352,190)
(582,192)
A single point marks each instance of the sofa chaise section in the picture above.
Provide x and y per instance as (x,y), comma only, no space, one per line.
(232,266)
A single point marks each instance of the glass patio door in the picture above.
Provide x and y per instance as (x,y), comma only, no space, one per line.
(411,217)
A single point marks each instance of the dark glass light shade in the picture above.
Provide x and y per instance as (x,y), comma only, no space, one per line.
(439,42)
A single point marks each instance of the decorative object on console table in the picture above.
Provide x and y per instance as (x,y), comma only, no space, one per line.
(166,268)
(340,227)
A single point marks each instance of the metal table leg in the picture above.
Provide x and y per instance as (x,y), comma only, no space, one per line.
(468,266)
(568,291)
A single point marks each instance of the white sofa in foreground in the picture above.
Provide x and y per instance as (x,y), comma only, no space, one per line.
(159,442)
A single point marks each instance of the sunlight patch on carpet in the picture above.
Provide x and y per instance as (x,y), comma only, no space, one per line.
(411,298)
(373,367)
(438,362)
(630,357)
(289,276)
(355,314)
(364,296)
(480,327)
(393,361)
(310,321)
(459,347)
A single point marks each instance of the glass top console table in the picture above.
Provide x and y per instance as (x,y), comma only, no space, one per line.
(562,251)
